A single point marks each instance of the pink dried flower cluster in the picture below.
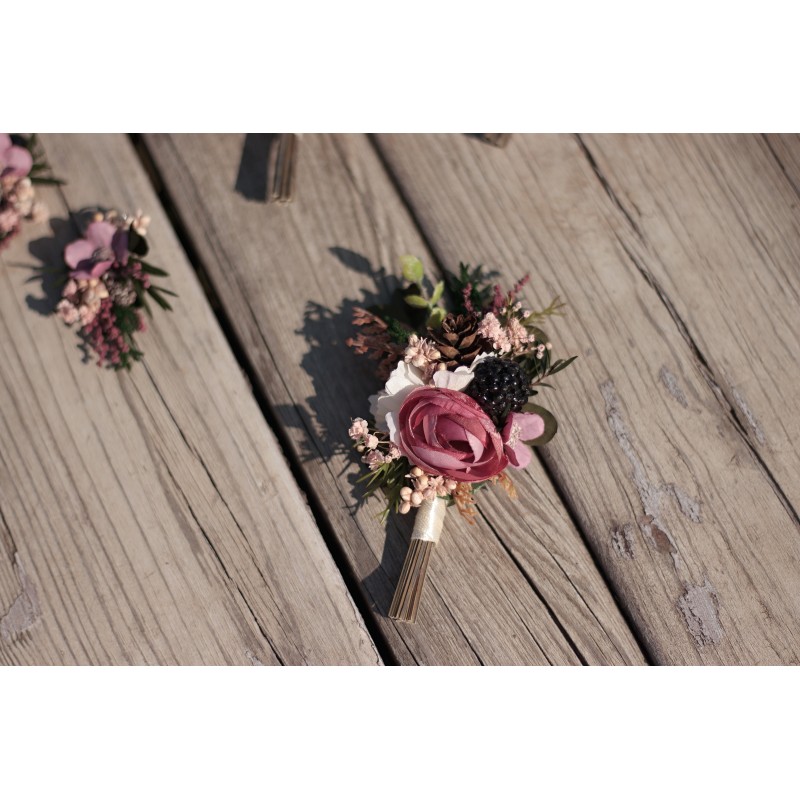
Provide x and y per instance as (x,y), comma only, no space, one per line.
(509,337)
(424,487)
(376,447)
(422,354)
(81,299)
(17,196)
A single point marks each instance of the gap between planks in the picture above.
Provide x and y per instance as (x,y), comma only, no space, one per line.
(239,352)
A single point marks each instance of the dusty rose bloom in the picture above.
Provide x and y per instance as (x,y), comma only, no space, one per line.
(447,433)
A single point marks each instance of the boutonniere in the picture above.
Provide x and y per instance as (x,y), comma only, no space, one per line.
(455,412)
(108,284)
(22,165)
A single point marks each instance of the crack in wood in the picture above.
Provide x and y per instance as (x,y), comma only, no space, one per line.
(748,414)
(609,190)
(529,579)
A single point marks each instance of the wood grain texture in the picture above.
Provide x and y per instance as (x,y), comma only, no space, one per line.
(147,517)
(518,588)
(680,513)
(714,226)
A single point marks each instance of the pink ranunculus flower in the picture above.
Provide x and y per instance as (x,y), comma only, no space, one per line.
(15,161)
(103,246)
(445,432)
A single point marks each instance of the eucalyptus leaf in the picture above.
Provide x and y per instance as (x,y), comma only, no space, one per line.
(149,268)
(415,301)
(412,268)
(159,299)
(561,364)
(550,424)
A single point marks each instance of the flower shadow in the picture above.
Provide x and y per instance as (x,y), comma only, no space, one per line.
(341,383)
(50,272)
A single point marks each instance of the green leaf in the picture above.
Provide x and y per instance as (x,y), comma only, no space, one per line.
(561,364)
(164,291)
(149,268)
(415,301)
(159,299)
(437,317)
(438,291)
(412,269)
(550,424)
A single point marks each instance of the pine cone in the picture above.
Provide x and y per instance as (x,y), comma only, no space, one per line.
(458,340)
(120,290)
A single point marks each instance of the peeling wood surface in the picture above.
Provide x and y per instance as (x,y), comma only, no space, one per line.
(520,587)
(716,230)
(147,517)
(680,487)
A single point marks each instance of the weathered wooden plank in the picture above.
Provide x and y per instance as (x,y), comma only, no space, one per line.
(680,513)
(714,226)
(521,590)
(147,517)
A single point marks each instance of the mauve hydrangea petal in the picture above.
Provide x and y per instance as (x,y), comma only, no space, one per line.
(16,161)
(119,244)
(100,234)
(77,251)
(531,426)
(519,456)
(100,268)
(5,143)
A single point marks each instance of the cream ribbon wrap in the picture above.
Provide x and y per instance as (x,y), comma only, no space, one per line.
(430,520)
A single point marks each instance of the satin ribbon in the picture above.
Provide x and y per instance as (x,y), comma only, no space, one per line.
(430,520)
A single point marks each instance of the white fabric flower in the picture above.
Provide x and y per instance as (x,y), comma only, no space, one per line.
(385,405)
(460,378)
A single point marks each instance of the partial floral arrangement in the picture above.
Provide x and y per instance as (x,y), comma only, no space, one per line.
(107,286)
(22,165)
(455,411)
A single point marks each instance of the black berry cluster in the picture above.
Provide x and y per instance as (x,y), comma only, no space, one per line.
(499,387)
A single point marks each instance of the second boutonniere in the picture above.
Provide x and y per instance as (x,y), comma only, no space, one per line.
(108,286)
(22,165)
(455,411)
